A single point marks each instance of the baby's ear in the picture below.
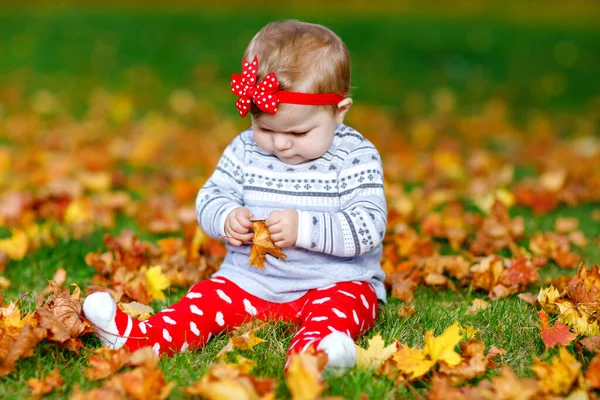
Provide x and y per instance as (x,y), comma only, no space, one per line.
(342,108)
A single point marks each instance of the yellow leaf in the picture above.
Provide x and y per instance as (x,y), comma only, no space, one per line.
(4,283)
(547,298)
(16,246)
(137,310)
(412,362)
(577,317)
(441,348)
(79,210)
(303,376)
(376,353)
(10,317)
(469,331)
(157,282)
(557,377)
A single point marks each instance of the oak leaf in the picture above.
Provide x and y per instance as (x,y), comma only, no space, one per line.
(144,382)
(477,306)
(20,345)
(558,334)
(262,245)
(376,353)
(558,376)
(105,362)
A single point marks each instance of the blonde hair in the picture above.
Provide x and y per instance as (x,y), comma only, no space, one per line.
(305,57)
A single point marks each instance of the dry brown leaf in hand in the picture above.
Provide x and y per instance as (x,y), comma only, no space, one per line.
(262,245)
(41,387)
(376,353)
(303,376)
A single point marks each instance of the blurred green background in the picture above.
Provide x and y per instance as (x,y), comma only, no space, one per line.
(535,54)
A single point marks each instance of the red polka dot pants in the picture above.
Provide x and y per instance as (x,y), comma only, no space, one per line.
(217,305)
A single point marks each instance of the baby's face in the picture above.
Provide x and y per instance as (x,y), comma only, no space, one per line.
(296,133)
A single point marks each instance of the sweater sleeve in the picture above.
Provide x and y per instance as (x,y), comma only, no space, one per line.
(360,225)
(223,191)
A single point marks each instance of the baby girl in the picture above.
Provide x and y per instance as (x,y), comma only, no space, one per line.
(316,182)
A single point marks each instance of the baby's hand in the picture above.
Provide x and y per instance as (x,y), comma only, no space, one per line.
(283,227)
(238,225)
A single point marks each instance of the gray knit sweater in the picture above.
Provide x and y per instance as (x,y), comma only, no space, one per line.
(342,215)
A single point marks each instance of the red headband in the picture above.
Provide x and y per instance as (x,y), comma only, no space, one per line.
(266,94)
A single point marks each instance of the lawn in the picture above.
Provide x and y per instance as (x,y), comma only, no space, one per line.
(142,98)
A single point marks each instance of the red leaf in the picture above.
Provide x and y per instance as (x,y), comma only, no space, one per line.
(557,334)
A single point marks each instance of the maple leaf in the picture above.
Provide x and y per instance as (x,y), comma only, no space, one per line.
(143,382)
(105,362)
(592,375)
(16,246)
(20,345)
(376,353)
(591,343)
(62,314)
(477,306)
(558,376)
(441,348)
(474,363)
(262,245)
(232,381)
(413,363)
(41,387)
(507,386)
(303,376)
(243,341)
(157,282)
(558,334)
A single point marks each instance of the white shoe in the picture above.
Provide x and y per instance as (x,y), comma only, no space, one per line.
(340,349)
(100,309)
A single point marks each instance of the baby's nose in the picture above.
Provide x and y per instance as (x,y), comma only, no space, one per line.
(282,142)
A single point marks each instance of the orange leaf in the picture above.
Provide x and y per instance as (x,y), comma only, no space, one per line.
(262,245)
(41,387)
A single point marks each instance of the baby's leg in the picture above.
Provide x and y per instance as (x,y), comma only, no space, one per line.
(332,317)
(210,307)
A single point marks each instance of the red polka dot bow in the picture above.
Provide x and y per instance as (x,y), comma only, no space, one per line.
(266,94)
(262,94)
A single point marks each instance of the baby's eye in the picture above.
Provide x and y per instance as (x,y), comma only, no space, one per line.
(300,133)
(266,130)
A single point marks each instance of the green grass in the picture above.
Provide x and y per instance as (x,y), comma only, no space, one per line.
(148,54)
(71,52)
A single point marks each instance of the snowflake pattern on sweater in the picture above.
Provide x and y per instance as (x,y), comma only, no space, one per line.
(342,211)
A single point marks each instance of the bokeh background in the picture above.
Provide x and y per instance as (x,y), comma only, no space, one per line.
(408,56)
